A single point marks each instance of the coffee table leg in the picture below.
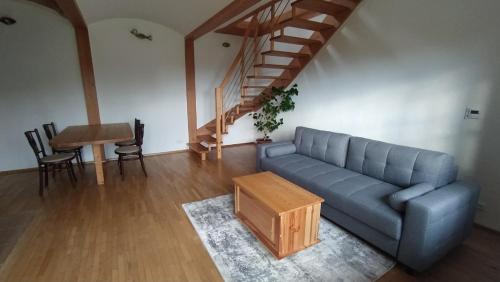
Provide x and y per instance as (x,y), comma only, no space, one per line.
(99,172)
(236,199)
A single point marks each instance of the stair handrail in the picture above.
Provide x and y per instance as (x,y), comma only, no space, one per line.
(256,11)
(241,56)
(239,61)
(220,113)
(275,19)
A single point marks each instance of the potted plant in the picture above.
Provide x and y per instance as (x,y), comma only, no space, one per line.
(266,120)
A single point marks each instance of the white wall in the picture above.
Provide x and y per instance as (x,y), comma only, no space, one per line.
(39,79)
(143,79)
(404,72)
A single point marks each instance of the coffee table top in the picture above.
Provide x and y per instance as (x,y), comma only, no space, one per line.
(276,192)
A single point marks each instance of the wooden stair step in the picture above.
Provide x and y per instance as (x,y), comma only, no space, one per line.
(209,139)
(321,6)
(199,149)
(255,87)
(265,77)
(277,53)
(242,112)
(306,24)
(274,66)
(213,128)
(295,40)
(247,107)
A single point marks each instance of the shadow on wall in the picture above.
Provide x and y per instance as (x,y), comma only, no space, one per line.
(487,164)
(393,76)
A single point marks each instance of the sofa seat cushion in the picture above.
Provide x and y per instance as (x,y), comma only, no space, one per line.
(294,166)
(362,197)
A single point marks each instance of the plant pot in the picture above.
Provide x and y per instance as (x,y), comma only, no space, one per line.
(263,141)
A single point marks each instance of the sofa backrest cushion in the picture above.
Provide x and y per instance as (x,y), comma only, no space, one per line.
(399,165)
(325,146)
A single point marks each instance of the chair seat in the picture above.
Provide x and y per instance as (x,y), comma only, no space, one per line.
(126,143)
(57,158)
(128,150)
(67,149)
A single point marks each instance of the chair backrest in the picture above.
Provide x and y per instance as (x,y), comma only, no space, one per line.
(139,135)
(137,122)
(36,144)
(50,130)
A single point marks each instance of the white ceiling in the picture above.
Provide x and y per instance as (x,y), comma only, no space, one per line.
(180,15)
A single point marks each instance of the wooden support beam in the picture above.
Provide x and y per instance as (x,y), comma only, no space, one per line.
(218,121)
(190,89)
(87,72)
(71,11)
(230,11)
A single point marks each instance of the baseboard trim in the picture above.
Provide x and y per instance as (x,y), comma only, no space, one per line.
(18,171)
(480,226)
(238,144)
(32,169)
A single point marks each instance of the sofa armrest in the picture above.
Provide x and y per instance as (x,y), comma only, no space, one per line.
(276,151)
(261,151)
(437,222)
(398,200)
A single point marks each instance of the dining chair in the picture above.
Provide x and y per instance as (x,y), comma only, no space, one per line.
(45,161)
(133,152)
(51,132)
(137,123)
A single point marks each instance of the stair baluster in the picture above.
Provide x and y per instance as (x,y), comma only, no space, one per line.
(267,24)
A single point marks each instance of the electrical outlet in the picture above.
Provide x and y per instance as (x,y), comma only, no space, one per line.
(471,113)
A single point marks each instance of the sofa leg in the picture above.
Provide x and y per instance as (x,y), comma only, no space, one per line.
(410,271)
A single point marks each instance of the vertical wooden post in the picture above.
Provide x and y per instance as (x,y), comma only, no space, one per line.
(90,94)
(218,121)
(98,158)
(255,47)
(190,89)
(273,13)
(242,70)
(87,73)
(72,13)
(223,113)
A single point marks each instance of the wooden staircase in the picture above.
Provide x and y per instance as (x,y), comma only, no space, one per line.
(255,70)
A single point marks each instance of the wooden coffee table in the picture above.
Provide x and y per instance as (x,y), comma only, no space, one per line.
(284,216)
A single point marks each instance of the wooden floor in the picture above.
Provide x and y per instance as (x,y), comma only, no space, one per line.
(136,230)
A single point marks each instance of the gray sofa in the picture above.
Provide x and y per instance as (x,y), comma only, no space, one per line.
(403,200)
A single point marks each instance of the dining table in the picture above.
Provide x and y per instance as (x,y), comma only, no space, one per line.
(95,135)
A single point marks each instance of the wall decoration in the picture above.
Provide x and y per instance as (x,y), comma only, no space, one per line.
(140,35)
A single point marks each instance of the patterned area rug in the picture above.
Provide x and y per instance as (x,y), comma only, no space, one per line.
(239,256)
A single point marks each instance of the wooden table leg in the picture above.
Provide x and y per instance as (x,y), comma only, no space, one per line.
(236,199)
(98,156)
